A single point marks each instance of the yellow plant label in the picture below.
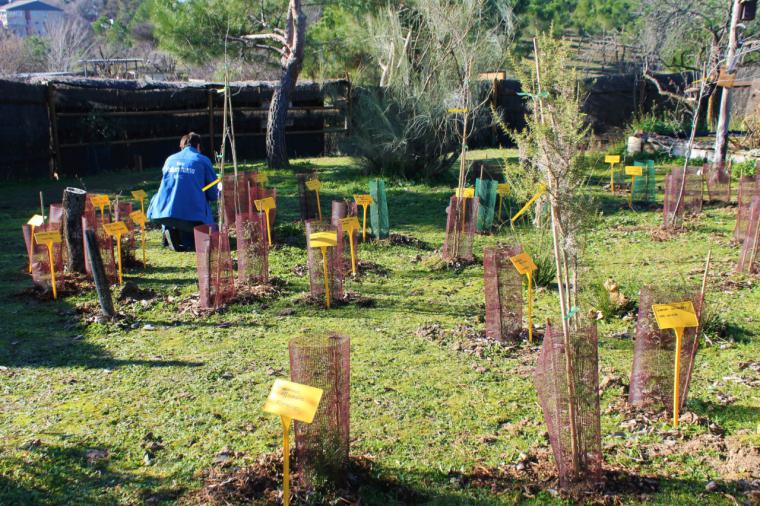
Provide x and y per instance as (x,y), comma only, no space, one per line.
(349,224)
(468,193)
(293,400)
(612,159)
(139,194)
(51,237)
(262,178)
(633,170)
(36,220)
(458,110)
(138,217)
(541,190)
(523,263)
(676,315)
(313,185)
(323,239)
(502,189)
(100,200)
(116,229)
(264,204)
(211,184)
(363,200)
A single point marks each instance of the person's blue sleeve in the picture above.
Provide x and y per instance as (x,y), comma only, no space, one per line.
(212,193)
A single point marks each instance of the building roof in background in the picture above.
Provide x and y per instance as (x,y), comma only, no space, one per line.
(29,5)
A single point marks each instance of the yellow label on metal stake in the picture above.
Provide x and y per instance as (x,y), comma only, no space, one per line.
(36,220)
(612,160)
(324,240)
(634,170)
(314,185)
(676,316)
(542,189)
(291,401)
(349,225)
(502,189)
(141,196)
(524,265)
(100,201)
(266,205)
(469,193)
(117,229)
(139,218)
(364,201)
(48,239)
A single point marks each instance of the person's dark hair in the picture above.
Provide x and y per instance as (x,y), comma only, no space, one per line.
(194,140)
(183,142)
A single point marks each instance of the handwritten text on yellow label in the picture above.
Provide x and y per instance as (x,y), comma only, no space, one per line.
(293,400)
(323,239)
(468,193)
(100,200)
(364,200)
(138,217)
(612,159)
(676,315)
(523,263)
(51,237)
(349,224)
(633,170)
(313,184)
(116,228)
(503,189)
(264,204)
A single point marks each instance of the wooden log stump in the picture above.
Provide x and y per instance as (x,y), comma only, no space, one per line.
(73,209)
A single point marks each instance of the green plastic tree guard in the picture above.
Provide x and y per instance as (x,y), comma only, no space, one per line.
(645,187)
(379,210)
(485,192)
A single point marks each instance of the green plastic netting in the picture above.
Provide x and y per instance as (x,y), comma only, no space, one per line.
(379,210)
(645,187)
(485,191)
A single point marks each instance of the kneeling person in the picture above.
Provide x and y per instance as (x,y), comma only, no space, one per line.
(181,204)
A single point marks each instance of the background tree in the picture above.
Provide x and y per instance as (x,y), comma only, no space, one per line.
(69,40)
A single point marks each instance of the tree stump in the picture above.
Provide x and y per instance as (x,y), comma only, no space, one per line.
(73,209)
(102,286)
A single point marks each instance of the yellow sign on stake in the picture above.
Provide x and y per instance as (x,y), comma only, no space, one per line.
(541,190)
(612,160)
(100,201)
(261,179)
(141,196)
(525,265)
(324,240)
(48,239)
(139,218)
(349,225)
(35,221)
(502,190)
(459,110)
(291,401)
(266,205)
(365,201)
(677,316)
(117,229)
(314,185)
(633,171)
(469,193)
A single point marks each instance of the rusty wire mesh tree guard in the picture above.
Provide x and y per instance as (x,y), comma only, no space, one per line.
(344,209)
(91,220)
(461,221)
(322,447)
(234,196)
(41,261)
(56,214)
(503,292)
(253,248)
(749,186)
(307,199)
(718,179)
(654,352)
(690,201)
(214,264)
(551,378)
(749,258)
(335,264)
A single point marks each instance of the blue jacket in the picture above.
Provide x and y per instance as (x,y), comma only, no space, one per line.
(180,195)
